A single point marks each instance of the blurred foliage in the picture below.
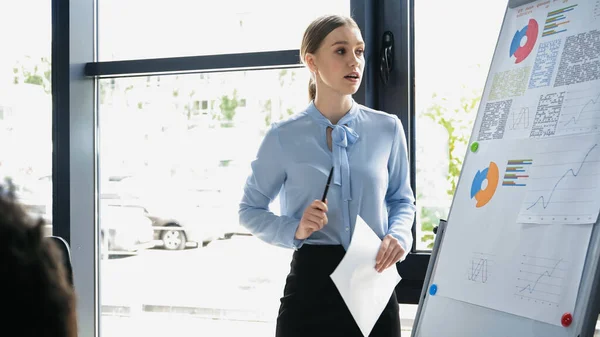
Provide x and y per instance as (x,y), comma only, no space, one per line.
(458,122)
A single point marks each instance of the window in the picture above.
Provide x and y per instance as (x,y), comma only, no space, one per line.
(449,84)
(174,255)
(141,251)
(26,104)
(217,290)
(185,28)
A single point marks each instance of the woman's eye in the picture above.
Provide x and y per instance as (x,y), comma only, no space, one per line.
(360,52)
(341,51)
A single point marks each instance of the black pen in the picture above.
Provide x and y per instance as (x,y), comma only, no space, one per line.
(327,186)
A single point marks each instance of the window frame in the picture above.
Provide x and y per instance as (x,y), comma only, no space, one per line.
(75,75)
(396,97)
(74,150)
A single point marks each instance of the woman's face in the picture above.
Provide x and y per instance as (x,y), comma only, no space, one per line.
(339,62)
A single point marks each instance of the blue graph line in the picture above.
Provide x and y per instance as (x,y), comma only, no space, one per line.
(545,204)
(546,273)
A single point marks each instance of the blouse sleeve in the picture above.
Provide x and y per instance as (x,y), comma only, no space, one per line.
(399,196)
(262,186)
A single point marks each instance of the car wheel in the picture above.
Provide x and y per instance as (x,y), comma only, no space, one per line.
(173,239)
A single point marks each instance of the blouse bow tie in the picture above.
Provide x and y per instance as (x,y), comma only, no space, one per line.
(342,136)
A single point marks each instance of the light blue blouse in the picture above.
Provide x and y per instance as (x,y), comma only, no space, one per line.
(371,178)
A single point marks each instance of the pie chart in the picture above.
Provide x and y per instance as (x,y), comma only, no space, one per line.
(518,52)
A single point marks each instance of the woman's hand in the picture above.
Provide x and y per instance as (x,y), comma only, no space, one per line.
(313,219)
(390,252)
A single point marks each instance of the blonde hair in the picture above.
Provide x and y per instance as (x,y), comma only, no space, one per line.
(313,37)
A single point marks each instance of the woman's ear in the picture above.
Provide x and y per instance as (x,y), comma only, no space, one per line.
(310,61)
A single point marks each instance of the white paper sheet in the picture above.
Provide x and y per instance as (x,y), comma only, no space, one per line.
(490,260)
(365,291)
(552,91)
(564,181)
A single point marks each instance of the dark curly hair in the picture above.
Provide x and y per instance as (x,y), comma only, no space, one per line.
(37,296)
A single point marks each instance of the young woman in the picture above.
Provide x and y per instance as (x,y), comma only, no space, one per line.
(367,150)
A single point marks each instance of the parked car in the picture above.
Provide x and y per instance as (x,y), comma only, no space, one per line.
(124,229)
(183,212)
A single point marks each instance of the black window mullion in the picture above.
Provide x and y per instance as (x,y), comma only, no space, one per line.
(60,121)
(194,64)
(397,97)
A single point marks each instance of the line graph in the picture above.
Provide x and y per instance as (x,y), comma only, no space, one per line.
(569,171)
(580,113)
(520,120)
(563,183)
(480,266)
(540,279)
(590,103)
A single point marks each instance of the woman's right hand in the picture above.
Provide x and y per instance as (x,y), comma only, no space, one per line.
(313,219)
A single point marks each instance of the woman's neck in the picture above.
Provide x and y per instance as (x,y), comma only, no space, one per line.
(333,107)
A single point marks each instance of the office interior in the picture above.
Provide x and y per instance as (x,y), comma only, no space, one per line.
(129,126)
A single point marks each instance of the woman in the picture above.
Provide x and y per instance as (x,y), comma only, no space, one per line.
(367,150)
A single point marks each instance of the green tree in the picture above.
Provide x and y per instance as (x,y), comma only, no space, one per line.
(33,71)
(228,106)
(189,106)
(430,217)
(267,109)
(286,77)
(458,123)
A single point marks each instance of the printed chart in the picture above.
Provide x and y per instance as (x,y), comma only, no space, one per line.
(580,113)
(563,184)
(557,20)
(540,280)
(480,267)
(516,173)
(521,119)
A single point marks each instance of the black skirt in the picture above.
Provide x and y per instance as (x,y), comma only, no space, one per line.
(312,306)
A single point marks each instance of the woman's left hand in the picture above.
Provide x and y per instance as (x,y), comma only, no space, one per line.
(390,252)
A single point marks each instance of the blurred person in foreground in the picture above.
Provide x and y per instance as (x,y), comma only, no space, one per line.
(38,299)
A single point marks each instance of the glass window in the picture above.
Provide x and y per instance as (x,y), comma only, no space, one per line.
(136,29)
(26,104)
(174,258)
(449,84)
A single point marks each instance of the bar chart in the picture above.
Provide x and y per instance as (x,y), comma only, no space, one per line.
(556,21)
